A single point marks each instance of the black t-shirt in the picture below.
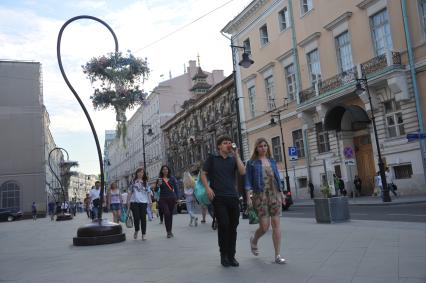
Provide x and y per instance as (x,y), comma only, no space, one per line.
(221,174)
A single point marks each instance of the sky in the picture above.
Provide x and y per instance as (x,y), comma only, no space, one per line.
(29,31)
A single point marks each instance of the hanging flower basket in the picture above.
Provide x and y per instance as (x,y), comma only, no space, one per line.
(116,79)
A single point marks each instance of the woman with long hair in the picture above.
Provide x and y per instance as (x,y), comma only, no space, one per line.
(138,198)
(263,179)
(169,194)
(114,199)
(188,188)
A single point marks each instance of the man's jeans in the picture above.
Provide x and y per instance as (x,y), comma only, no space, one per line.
(227,213)
(95,212)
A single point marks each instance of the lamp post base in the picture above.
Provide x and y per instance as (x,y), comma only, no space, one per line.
(63,217)
(99,232)
(386,196)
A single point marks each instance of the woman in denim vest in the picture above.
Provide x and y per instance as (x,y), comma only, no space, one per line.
(263,180)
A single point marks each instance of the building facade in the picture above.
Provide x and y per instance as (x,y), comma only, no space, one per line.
(308,54)
(192,133)
(145,140)
(22,145)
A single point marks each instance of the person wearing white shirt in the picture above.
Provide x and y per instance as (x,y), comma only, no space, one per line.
(95,199)
(138,198)
(389,181)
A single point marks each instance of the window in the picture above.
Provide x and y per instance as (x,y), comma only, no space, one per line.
(298,142)
(276,149)
(423,14)
(290,75)
(403,171)
(381,32)
(247,47)
(9,195)
(264,35)
(344,52)
(314,66)
(283,19)
(302,182)
(305,6)
(252,100)
(323,142)
(269,89)
(394,120)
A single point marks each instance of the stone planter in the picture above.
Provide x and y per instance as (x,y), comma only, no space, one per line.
(331,210)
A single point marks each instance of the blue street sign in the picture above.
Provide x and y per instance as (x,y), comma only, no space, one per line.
(415,136)
(292,151)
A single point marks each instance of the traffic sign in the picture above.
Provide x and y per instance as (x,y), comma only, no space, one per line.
(415,136)
(292,152)
(348,152)
(350,162)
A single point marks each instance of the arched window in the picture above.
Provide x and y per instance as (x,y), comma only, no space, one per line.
(9,195)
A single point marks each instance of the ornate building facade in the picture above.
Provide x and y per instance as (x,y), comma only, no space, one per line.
(191,134)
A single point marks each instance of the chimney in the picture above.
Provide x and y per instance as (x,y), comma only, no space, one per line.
(192,69)
(217,76)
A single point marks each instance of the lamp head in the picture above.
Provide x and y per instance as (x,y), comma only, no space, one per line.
(150,133)
(273,123)
(246,61)
(359,89)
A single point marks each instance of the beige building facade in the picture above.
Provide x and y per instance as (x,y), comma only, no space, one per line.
(308,54)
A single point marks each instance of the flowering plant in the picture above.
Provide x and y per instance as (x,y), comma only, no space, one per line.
(116,79)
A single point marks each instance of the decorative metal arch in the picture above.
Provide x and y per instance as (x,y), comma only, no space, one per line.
(92,127)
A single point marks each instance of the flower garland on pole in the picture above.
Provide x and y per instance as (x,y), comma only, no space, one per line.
(116,79)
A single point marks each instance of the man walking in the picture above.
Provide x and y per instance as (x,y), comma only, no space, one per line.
(95,200)
(221,171)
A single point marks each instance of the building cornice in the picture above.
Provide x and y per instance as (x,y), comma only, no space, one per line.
(334,23)
(249,78)
(285,55)
(366,3)
(266,67)
(309,39)
(251,9)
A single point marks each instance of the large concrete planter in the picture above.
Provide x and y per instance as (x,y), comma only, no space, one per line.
(331,210)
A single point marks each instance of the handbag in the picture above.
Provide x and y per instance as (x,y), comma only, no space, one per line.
(123,216)
(252,215)
(200,192)
(129,220)
(394,187)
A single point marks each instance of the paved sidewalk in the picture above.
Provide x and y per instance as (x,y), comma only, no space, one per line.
(371,200)
(357,251)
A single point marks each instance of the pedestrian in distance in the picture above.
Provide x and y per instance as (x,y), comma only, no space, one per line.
(114,200)
(137,200)
(51,208)
(169,194)
(34,210)
(188,188)
(95,199)
(311,189)
(358,184)
(221,171)
(86,202)
(389,181)
(263,180)
(378,188)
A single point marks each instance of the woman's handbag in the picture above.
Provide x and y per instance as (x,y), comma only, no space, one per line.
(252,215)
(123,216)
(200,192)
(129,220)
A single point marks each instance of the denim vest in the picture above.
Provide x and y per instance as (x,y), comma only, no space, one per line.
(254,176)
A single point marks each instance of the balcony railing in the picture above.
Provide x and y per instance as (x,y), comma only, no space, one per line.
(371,66)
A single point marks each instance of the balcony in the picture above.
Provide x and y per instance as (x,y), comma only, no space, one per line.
(371,68)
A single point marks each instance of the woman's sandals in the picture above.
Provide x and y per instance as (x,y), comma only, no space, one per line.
(253,247)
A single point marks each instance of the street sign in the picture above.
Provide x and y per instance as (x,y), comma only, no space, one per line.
(350,162)
(292,153)
(415,136)
(348,152)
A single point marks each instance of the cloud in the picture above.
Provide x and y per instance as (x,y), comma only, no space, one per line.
(136,24)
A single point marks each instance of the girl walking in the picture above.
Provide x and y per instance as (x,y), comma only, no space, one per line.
(168,196)
(188,188)
(114,199)
(263,179)
(139,196)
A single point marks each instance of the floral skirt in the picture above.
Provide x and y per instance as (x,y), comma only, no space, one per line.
(267,203)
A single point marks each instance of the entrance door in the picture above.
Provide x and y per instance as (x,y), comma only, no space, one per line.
(365,163)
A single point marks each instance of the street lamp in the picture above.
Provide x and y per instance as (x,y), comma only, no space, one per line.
(150,133)
(361,87)
(277,114)
(245,63)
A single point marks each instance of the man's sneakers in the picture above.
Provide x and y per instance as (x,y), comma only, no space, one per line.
(228,261)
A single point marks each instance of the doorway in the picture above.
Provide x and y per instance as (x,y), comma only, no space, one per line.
(365,163)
